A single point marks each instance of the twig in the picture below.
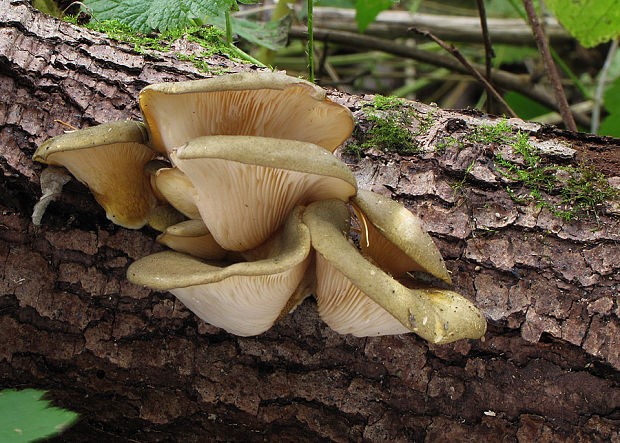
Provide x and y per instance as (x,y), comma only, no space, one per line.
(552,72)
(489,54)
(600,87)
(310,43)
(457,54)
(503,79)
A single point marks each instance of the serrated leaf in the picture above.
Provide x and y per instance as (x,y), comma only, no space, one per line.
(366,11)
(163,15)
(271,35)
(590,21)
(25,417)
(611,124)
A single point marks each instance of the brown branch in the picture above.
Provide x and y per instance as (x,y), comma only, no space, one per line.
(554,77)
(489,54)
(457,54)
(503,79)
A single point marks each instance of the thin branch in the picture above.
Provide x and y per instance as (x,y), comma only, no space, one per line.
(503,79)
(552,72)
(457,54)
(600,87)
(489,54)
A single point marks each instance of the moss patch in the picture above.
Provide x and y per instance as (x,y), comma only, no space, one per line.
(390,119)
(208,37)
(581,189)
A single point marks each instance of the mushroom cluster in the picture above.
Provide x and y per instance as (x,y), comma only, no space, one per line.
(238,174)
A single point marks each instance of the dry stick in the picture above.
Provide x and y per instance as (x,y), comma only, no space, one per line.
(552,72)
(457,54)
(489,54)
(506,80)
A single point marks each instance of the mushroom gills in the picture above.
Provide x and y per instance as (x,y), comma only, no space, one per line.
(109,159)
(257,104)
(244,298)
(245,186)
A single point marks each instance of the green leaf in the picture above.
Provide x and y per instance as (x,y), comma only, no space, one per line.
(525,107)
(611,124)
(590,21)
(271,35)
(148,15)
(366,11)
(25,417)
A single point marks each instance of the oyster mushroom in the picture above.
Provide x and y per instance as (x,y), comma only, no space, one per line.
(243,298)
(268,104)
(356,297)
(177,190)
(109,159)
(394,237)
(245,186)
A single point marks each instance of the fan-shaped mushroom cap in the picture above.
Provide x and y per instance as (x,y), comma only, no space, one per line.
(436,315)
(245,186)
(268,104)
(243,298)
(192,237)
(177,190)
(109,159)
(394,238)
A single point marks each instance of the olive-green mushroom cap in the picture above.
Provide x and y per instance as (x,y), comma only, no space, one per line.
(395,238)
(243,298)
(109,159)
(269,104)
(436,315)
(245,186)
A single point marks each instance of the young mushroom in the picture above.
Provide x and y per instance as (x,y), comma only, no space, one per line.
(109,159)
(268,104)
(243,298)
(192,237)
(359,298)
(245,186)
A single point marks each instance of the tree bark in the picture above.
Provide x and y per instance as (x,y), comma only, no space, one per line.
(138,366)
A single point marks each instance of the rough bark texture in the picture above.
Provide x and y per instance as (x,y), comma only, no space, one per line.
(138,366)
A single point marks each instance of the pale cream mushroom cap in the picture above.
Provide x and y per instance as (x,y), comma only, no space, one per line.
(268,104)
(436,315)
(394,237)
(109,159)
(192,237)
(177,190)
(245,186)
(242,298)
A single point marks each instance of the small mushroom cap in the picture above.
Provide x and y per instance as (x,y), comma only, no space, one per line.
(192,237)
(395,238)
(243,298)
(109,159)
(177,190)
(436,318)
(245,186)
(266,104)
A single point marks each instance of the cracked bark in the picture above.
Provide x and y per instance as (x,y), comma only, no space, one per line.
(138,366)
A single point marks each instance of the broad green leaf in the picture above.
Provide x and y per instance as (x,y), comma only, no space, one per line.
(589,21)
(611,124)
(525,107)
(162,15)
(271,35)
(25,417)
(366,11)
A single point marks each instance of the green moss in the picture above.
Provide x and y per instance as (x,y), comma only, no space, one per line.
(581,188)
(389,119)
(210,38)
